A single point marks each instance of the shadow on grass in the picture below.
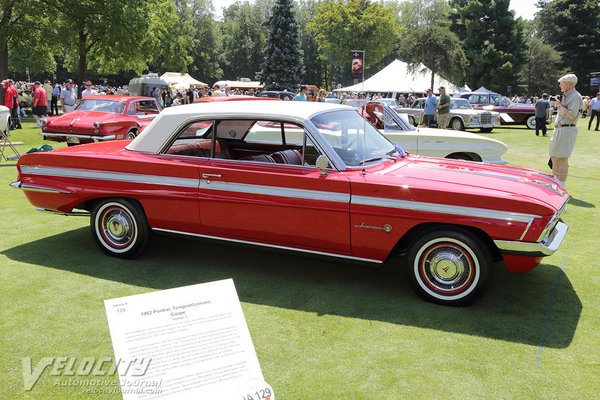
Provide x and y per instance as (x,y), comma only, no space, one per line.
(540,308)
(580,203)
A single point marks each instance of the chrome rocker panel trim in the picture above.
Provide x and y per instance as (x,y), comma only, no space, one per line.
(90,137)
(541,249)
(274,246)
(68,214)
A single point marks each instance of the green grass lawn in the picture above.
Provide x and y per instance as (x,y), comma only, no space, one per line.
(322,329)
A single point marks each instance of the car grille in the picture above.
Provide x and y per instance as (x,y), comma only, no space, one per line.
(485,118)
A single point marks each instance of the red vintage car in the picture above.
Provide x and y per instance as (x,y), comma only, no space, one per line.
(308,177)
(100,118)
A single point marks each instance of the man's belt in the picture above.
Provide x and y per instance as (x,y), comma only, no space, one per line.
(564,125)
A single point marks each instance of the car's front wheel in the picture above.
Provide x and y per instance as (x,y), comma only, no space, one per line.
(486,130)
(531,122)
(448,267)
(457,125)
(120,228)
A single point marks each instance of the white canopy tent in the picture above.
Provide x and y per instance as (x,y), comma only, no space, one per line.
(398,77)
(181,81)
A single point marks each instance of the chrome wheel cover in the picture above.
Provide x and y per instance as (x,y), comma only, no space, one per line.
(446,268)
(116,227)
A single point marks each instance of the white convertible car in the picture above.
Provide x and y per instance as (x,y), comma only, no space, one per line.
(4,115)
(434,142)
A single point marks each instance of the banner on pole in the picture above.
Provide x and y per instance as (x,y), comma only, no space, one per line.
(357,62)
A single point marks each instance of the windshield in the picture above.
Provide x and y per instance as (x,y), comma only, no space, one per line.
(460,104)
(355,140)
(101,106)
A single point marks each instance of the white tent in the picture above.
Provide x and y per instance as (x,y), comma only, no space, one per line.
(181,81)
(398,77)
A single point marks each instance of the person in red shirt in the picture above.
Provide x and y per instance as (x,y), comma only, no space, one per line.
(39,105)
(10,101)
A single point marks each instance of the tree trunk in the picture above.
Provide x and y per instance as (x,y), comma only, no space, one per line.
(3,58)
(432,80)
(82,65)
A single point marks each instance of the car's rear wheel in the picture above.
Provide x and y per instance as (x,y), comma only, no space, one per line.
(457,125)
(448,267)
(131,134)
(531,122)
(120,228)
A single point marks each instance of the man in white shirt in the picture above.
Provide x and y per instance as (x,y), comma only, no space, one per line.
(68,97)
(89,90)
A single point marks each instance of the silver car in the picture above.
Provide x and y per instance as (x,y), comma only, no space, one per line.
(463,116)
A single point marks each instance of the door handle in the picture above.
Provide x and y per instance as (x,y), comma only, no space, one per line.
(207,176)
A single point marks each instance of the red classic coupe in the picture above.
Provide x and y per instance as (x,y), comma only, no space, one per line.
(100,118)
(308,177)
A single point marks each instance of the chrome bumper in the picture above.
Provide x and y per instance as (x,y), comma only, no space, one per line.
(73,135)
(541,249)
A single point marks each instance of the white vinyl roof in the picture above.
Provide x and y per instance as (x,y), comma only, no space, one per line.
(398,77)
(170,119)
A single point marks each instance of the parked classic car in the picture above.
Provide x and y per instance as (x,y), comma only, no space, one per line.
(283,95)
(100,118)
(434,142)
(4,116)
(520,114)
(463,116)
(308,177)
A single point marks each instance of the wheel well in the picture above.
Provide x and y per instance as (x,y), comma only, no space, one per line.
(90,204)
(402,245)
(464,156)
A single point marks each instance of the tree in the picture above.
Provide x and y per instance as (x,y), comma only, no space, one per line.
(282,67)
(421,13)
(542,66)
(33,50)
(429,41)
(344,25)
(243,40)
(572,26)
(492,40)
(314,68)
(438,49)
(110,36)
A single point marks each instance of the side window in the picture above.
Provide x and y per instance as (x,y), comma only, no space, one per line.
(495,99)
(474,99)
(195,140)
(143,107)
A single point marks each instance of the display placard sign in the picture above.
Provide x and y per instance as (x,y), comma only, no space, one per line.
(192,340)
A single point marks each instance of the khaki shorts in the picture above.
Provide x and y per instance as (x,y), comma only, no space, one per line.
(563,142)
(443,120)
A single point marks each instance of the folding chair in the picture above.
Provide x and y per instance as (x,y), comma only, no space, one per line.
(6,142)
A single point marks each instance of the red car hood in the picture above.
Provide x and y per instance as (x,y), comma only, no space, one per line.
(466,183)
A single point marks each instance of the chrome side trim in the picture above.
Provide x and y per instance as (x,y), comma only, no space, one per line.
(541,249)
(110,176)
(36,188)
(444,209)
(72,213)
(275,191)
(274,246)
(109,137)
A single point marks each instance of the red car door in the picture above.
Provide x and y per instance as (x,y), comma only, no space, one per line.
(248,196)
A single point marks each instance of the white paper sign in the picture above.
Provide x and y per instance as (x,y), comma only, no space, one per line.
(190,342)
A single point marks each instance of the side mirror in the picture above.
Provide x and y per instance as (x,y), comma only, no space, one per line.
(322,163)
